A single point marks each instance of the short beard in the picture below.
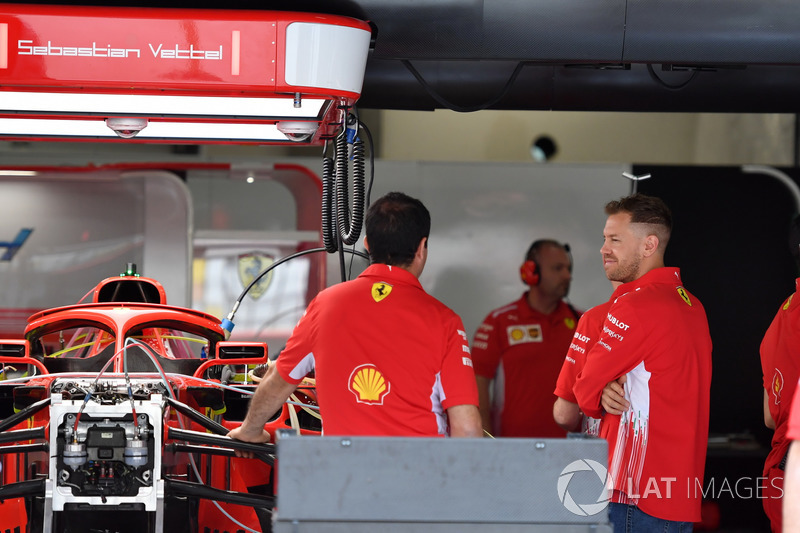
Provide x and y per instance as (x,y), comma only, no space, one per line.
(625,273)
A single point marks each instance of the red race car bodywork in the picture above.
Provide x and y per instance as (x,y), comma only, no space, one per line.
(113,416)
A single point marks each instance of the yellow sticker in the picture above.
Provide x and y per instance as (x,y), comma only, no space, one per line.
(684,295)
(368,385)
(522,333)
(380,290)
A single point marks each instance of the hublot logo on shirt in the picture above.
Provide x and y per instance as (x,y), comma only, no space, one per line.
(582,338)
(620,324)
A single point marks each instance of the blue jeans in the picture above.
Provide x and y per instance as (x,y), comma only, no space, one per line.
(629,519)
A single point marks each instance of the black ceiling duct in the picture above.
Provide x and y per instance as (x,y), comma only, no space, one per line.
(585,55)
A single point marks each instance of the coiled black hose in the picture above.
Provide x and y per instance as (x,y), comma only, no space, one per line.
(329,238)
(349,227)
(338,222)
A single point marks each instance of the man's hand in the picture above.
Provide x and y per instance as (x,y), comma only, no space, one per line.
(613,398)
(241,433)
(268,398)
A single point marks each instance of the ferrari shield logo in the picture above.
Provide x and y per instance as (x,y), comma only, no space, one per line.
(250,266)
(684,295)
(380,290)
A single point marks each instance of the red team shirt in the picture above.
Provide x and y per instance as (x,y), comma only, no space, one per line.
(793,433)
(389,358)
(586,335)
(656,333)
(780,364)
(522,350)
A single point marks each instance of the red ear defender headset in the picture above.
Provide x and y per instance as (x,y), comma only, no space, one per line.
(529,271)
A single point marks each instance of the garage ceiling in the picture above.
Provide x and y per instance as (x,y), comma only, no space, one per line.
(736,56)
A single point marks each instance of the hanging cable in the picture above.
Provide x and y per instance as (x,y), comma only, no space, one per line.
(340,165)
(329,237)
(227,323)
(364,127)
(464,109)
(339,224)
(349,223)
(358,150)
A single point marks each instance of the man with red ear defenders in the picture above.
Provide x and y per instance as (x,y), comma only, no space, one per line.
(519,348)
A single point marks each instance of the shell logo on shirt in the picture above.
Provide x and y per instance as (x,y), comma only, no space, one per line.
(522,333)
(380,290)
(777,385)
(788,303)
(368,385)
(569,322)
(682,292)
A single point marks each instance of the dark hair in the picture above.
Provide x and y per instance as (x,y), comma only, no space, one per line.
(533,251)
(645,209)
(395,225)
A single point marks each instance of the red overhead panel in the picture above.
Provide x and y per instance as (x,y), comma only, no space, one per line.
(74,65)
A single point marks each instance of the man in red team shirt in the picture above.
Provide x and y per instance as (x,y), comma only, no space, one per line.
(389,358)
(566,411)
(780,364)
(791,481)
(655,349)
(519,348)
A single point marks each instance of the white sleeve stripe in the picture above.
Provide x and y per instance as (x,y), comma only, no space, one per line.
(437,397)
(302,368)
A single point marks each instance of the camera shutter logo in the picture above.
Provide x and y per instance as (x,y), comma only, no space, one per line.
(584,509)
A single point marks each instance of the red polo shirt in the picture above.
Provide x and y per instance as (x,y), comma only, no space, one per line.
(656,333)
(793,433)
(586,335)
(390,359)
(522,350)
(780,365)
